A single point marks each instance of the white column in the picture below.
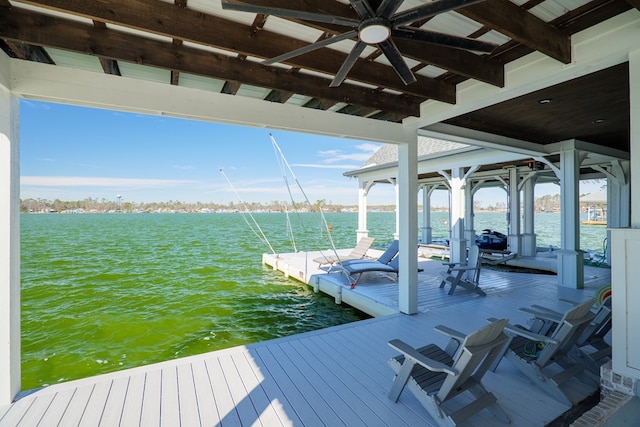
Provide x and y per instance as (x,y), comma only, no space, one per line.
(427,231)
(396,235)
(469,230)
(514,238)
(457,243)
(570,258)
(9,247)
(625,245)
(618,200)
(408,226)
(363,190)
(529,243)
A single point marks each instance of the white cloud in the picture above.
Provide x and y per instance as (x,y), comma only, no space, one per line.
(364,152)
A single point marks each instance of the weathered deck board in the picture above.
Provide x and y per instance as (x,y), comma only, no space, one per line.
(333,377)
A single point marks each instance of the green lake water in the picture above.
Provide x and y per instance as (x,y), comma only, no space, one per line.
(103,292)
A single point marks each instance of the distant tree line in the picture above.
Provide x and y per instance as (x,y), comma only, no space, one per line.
(547,203)
(91,205)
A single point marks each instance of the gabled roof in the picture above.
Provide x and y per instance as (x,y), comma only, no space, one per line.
(597,197)
(427,147)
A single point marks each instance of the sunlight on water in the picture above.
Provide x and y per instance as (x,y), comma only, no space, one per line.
(107,292)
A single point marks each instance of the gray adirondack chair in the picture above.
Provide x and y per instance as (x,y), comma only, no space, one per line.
(535,354)
(591,348)
(437,376)
(466,274)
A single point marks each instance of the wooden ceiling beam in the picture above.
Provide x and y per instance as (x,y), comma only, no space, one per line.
(521,26)
(168,20)
(109,66)
(38,29)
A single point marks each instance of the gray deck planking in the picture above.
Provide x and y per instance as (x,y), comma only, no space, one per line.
(332,377)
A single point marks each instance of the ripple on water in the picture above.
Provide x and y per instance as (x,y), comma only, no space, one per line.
(107,292)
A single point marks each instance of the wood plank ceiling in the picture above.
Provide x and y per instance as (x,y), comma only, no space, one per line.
(198,37)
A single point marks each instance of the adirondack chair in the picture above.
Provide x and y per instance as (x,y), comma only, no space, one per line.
(591,348)
(545,359)
(466,274)
(437,376)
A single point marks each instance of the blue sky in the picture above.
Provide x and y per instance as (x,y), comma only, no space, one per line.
(72,153)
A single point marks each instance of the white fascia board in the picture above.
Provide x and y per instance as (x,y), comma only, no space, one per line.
(596,48)
(461,159)
(58,84)
(483,139)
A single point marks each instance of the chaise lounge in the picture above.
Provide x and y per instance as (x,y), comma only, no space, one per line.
(358,252)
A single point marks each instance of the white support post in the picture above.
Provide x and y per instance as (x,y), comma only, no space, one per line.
(618,200)
(396,235)
(457,243)
(528,241)
(9,247)
(469,230)
(514,238)
(363,190)
(625,245)
(570,258)
(408,230)
(427,232)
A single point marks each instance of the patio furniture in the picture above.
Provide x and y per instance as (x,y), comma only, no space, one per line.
(591,348)
(466,275)
(437,376)
(545,359)
(358,252)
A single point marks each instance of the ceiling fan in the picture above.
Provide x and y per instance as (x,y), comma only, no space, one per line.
(379,23)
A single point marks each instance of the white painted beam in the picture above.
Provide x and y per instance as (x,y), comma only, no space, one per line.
(58,84)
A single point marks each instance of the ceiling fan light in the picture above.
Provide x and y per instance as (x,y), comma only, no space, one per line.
(374,33)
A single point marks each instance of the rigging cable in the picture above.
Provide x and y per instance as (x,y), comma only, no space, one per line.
(281,164)
(282,161)
(255,227)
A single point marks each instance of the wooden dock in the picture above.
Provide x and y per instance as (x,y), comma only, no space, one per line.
(332,377)
(376,293)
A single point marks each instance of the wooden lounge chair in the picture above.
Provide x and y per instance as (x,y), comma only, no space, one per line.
(591,348)
(437,376)
(545,359)
(466,274)
(358,252)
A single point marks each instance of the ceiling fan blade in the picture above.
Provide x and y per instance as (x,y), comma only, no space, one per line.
(428,10)
(311,47)
(397,61)
(241,6)
(362,8)
(388,7)
(444,39)
(348,64)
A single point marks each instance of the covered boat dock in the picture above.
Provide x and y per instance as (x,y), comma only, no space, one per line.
(337,376)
